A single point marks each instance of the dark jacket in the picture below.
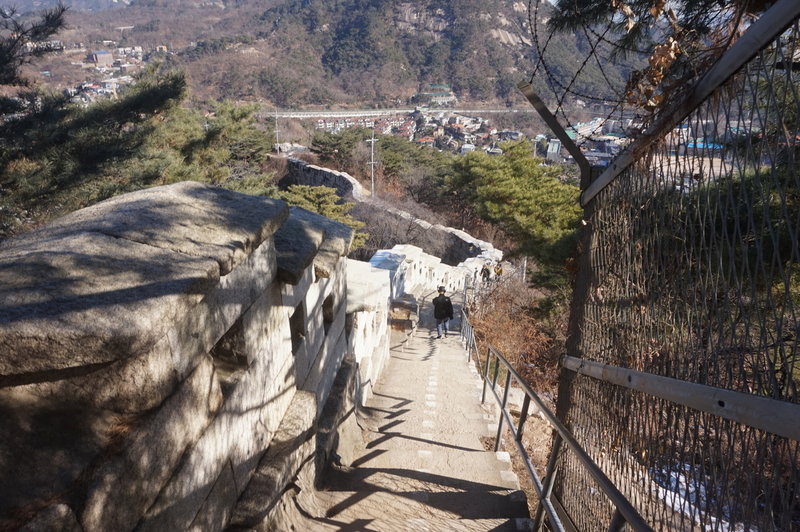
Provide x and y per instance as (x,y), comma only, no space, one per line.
(442,307)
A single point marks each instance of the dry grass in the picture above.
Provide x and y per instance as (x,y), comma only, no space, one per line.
(505,320)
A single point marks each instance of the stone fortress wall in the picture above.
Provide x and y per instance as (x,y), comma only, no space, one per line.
(171,359)
(451,245)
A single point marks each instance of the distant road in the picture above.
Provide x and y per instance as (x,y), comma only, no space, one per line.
(356,113)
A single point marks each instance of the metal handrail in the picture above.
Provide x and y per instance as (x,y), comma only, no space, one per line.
(624,509)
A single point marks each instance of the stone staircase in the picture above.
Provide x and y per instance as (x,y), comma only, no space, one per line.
(421,462)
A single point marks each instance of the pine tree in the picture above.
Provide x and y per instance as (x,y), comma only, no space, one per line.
(324,201)
(19,40)
(525,199)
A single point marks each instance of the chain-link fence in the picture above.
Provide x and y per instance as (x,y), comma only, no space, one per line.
(682,377)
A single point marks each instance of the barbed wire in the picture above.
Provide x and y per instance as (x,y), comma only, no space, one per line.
(565,93)
(665,57)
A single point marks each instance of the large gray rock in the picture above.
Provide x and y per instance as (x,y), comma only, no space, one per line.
(191,218)
(92,300)
(255,403)
(105,283)
(196,333)
(141,382)
(54,518)
(128,386)
(297,242)
(218,506)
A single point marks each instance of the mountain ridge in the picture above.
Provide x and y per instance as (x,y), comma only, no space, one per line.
(300,53)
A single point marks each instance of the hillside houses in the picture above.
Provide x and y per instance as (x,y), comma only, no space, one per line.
(438,94)
(101,58)
(404,126)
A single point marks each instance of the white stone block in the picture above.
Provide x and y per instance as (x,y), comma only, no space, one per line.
(328,356)
(122,489)
(202,327)
(251,413)
(237,436)
(279,391)
(218,506)
(265,329)
(293,295)
(315,335)
(336,352)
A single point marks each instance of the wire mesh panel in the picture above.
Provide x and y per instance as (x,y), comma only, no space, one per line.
(695,276)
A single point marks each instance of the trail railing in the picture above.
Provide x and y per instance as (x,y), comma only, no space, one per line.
(491,368)
(681,377)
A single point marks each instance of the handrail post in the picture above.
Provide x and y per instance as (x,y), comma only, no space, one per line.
(465,326)
(496,369)
(549,480)
(502,408)
(617,523)
(473,348)
(523,416)
(468,341)
(485,376)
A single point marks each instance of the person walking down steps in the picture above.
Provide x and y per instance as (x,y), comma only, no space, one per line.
(498,271)
(442,311)
(485,273)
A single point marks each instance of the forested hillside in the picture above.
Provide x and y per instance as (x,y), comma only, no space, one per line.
(293,53)
(80,5)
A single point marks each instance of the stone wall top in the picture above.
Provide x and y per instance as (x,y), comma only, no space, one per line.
(454,245)
(367,287)
(414,272)
(104,283)
(303,173)
(307,237)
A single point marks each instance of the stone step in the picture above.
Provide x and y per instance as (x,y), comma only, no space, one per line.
(427,441)
(478,466)
(441,406)
(458,395)
(420,366)
(433,432)
(437,429)
(442,374)
(430,477)
(430,358)
(392,480)
(519,524)
(439,414)
(295,512)
(430,405)
(350,505)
